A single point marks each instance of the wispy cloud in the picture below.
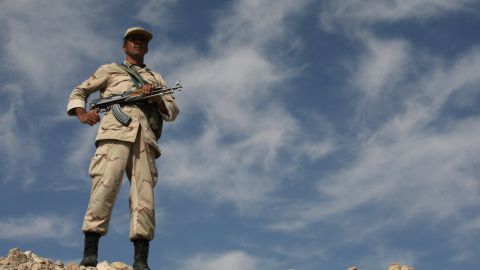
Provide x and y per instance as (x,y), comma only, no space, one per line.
(36,227)
(235,154)
(49,41)
(383,65)
(234,260)
(157,12)
(355,13)
(463,236)
(255,23)
(80,151)
(18,146)
(415,165)
(41,50)
(415,155)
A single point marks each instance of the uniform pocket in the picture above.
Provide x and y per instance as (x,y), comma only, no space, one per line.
(152,164)
(97,164)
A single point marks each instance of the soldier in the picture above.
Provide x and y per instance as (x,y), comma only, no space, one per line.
(123,148)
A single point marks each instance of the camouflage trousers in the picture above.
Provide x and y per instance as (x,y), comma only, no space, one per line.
(112,158)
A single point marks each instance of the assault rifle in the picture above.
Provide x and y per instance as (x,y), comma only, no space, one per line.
(131,96)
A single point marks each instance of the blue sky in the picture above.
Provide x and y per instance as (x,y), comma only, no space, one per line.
(312,134)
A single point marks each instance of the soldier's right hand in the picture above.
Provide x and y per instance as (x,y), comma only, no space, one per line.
(90,118)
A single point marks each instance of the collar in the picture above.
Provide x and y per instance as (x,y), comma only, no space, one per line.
(129,65)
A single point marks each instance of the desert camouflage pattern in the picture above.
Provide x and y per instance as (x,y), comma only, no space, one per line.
(131,149)
(111,80)
(112,158)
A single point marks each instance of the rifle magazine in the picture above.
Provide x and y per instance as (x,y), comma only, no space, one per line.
(122,117)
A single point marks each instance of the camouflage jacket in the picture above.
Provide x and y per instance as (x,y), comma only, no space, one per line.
(109,80)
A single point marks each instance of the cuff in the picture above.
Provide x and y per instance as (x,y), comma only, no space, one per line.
(75,103)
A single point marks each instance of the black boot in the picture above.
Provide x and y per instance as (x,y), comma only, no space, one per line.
(90,250)
(141,254)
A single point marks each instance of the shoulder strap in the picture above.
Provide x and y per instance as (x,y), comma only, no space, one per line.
(138,81)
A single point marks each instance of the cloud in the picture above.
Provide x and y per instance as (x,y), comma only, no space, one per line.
(382,66)
(358,13)
(243,134)
(414,158)
(46,45)
(36,227)
(465,235)
(233,260)
(316,150)
(256,23)
(41,50)
(16,143)
(80,151)
(157,12)
(417,164)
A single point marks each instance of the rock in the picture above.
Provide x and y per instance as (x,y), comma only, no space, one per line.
(37,259)
(18,260)
(103,266)
(397,266)
(15,258)
(72,266)
(87,268)
(394,266)
(120,266)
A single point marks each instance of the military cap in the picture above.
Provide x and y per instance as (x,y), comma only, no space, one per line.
(138,31)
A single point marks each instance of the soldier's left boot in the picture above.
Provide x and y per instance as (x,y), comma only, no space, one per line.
(141,254)
(90,249)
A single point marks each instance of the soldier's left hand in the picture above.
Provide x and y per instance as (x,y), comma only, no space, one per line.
(147,89)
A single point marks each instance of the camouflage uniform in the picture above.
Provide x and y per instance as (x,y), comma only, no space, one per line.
(131,149)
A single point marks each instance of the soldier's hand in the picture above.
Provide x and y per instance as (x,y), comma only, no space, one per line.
(90,118)
(147,89)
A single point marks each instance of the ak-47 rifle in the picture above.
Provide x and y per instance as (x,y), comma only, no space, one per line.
(132,96)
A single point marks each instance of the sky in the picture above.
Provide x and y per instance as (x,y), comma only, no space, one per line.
(312,134)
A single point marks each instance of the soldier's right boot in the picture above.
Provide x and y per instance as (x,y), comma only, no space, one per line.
(90,249)
(141,254)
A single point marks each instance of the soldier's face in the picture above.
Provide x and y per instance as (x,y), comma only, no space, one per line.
(136,45)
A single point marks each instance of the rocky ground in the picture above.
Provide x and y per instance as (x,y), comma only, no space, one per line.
(19,260)
(392,266)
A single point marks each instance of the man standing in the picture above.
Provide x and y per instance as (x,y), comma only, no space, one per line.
(130,148)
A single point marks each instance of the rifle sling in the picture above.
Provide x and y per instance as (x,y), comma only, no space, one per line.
(150,111)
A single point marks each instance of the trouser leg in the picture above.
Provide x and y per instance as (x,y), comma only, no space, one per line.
(142,173)
(106,169)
